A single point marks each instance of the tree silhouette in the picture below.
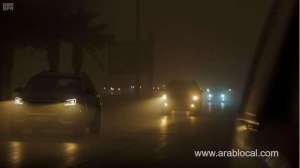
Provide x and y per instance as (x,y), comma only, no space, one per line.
(85,35)
(44,25)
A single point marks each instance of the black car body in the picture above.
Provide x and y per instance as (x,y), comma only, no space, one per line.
(63,100)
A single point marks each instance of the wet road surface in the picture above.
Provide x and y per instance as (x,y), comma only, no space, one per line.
(134,134)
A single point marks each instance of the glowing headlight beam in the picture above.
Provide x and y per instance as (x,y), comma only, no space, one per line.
(195,98)
(222,96)
(192,105)
(18,100)
(70,102)
(210,97)
(164,97)
(166,104)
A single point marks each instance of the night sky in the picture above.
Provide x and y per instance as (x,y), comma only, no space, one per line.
(211,41)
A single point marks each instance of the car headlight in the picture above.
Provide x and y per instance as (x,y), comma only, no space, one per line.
(195,98)
(192,105)
(164,97)
(70,102)
(18,100)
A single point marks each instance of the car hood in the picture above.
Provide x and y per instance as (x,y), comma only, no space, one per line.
(49,97)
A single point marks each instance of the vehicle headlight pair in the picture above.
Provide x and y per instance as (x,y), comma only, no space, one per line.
(68,102)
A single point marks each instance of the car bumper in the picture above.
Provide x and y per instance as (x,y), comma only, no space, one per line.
(53,115)
(182,107)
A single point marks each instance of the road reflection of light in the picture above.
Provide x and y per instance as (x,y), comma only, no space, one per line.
(163,124)
(16,152)
(209,106)
(192,120)
(222,106)
(164,121)
(70,152)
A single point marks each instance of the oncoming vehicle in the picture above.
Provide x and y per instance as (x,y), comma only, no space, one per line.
(182,95)
(57,100)
(218,96)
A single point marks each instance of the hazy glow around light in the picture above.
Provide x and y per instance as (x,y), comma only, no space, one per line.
(222,105)
(195,98)
(192,105)
(70,102)
(222,97)
(166,104)
(18,100)
(164,121)
(164,97)
(163,124)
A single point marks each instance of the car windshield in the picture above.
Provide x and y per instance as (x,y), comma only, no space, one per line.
(52,85)
(178,87)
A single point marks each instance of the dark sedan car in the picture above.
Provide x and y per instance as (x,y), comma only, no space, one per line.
(57,100)
(182,95)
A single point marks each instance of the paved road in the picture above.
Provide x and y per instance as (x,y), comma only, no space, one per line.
(133,134)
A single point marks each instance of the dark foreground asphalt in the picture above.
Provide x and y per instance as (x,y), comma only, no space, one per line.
(135,135)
